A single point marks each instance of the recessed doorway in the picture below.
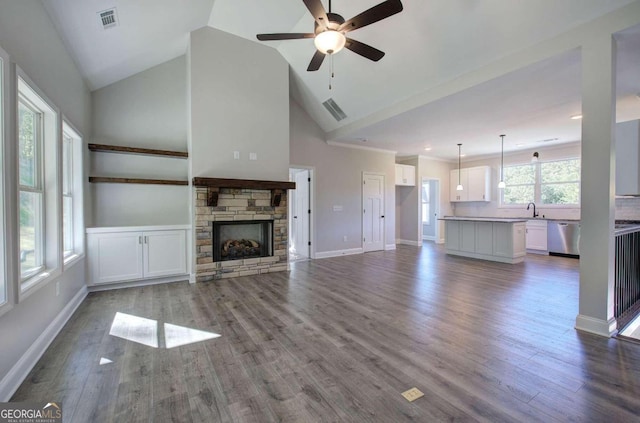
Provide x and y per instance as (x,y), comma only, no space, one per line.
(429,209)
(300,211)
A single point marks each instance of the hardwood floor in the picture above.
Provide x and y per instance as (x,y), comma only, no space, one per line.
(339,339)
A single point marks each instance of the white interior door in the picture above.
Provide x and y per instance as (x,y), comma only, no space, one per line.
(372,212)
(299,207)
(430,193)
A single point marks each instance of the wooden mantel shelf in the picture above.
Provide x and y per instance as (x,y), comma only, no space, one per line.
(214,184)
(102,179)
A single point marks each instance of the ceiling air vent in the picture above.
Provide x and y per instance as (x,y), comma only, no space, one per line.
(334,109)
(108,18)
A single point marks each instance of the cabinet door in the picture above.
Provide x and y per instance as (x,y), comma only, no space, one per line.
(484,238)
(479,181)
(503,240)
(454,194)
(115,257)
(409,175)
(452,235)
(165,253)
(468,237)
(536,237)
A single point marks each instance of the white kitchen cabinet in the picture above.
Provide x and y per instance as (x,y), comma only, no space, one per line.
(405,175)
(536,235)
(628,158)
(476,182)
(120,254)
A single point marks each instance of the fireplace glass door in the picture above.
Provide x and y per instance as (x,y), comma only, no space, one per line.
(244,239)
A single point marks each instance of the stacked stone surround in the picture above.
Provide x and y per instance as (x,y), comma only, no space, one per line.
(238,204)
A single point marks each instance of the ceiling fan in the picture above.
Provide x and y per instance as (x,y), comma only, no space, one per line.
(330,29)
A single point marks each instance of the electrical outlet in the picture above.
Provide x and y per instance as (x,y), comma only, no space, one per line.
(253,156)
(236,155)
(412,394)
(57,288)
(344,238)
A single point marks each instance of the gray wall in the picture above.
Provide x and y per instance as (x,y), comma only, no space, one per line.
(338,181)
(28,35)
(239,101)
(146,110)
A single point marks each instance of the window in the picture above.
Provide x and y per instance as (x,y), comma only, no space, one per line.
(3,91)
(39,191)
(549,183)
(560,182)
(72,222)
(426,214)
(31,188)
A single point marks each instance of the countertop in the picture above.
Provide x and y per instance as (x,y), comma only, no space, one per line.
(485,219)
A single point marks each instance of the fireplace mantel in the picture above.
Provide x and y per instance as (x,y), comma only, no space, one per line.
(214,184)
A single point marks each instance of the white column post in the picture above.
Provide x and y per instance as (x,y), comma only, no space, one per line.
(598,186)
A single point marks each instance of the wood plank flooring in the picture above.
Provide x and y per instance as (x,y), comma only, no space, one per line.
(338,340)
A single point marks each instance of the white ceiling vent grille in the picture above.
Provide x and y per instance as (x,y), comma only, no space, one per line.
(108,18)
(334,109)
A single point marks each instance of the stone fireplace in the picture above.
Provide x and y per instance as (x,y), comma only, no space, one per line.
(240,227)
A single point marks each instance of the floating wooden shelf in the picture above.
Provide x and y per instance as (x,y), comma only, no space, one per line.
(101,179)
(136,150)
(214,184)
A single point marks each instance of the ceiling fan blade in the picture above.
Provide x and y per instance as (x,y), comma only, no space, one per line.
(289,36)
(316,61)
(375,14)
(364,50)
(317,11)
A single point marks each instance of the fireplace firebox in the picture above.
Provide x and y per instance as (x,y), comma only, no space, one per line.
(244,239)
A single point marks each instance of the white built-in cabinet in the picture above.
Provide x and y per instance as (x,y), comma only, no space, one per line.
(129,254)
(405,175)
(537,236)
(476,183)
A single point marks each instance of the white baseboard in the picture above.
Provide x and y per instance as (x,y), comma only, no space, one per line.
(409,242)
(428,238)
(440,241)
(142,282)
(338,253)
(192,278)
(19,372)
(390,247)
(596,326)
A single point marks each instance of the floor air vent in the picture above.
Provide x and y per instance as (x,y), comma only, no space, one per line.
(108,18)
(334,109)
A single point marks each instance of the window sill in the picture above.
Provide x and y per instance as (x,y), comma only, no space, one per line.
(5,308)
(34,283)
(72,259)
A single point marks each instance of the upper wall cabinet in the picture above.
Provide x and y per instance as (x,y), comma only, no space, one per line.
(405,175)
(628,158)
(476,183)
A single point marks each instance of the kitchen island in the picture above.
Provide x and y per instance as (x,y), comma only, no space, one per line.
(486,238)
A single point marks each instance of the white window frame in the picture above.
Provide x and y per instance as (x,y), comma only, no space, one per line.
(572,205)
(51,156)
(538,186)
(535,184)
(6,288)
(76,193)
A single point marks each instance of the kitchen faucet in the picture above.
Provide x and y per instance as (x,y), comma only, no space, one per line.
(534,209)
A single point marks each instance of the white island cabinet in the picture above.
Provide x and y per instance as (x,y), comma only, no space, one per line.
(500,240)
(122,254)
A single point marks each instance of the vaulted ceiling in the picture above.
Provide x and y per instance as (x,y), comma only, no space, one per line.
(428,45)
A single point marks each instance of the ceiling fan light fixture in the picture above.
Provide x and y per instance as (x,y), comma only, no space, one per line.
(330,41)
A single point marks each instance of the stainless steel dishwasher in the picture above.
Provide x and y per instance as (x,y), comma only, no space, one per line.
(563,238)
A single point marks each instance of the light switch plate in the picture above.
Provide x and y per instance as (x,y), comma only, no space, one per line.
(236,155)
(253,156)
(412,394)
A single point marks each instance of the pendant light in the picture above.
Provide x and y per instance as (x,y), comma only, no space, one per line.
(459,187)
(502,185)
(535,157)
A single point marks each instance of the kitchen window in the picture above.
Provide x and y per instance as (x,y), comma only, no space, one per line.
(554,183)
